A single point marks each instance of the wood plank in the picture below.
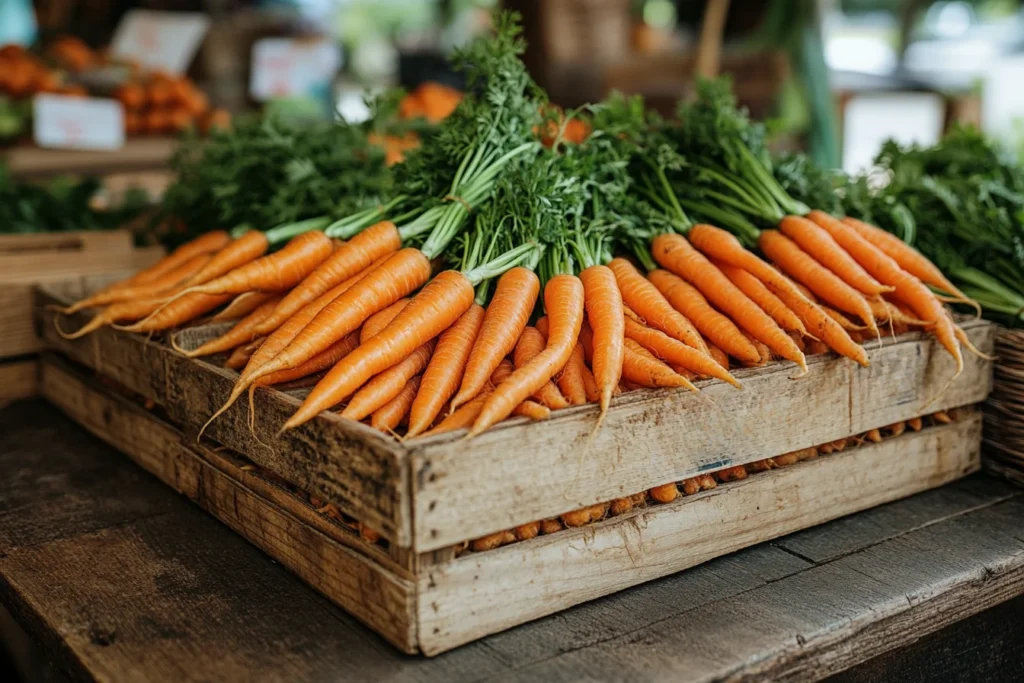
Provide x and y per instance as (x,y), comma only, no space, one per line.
(93,240)
(885,522)
(642,444)
(803,628)
(143,153)
(487,592)
(17,269)
(18,379)
(337,564)
(361,470)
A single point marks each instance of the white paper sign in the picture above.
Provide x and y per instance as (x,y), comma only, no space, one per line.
(285,67)
(871,119)
(66,122)
(160,41)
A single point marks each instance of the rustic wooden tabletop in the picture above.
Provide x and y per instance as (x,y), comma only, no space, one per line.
(116,578)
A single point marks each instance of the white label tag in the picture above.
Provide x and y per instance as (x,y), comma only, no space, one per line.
(66,122)
(160,41)
(283,67)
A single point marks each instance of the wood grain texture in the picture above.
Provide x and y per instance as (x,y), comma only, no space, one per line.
(520,471)
(359,469)
(18,379)
(487,592)
(331,559)
(138,154)
(163,593)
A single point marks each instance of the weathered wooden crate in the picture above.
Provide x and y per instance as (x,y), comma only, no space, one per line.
(428,496)
(27,260)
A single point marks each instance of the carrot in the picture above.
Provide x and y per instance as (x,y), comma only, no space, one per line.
(843,321)
(763,297)
(246,248)
(442,301)
(241,355)
(353,257)
(824,249)
(531,344)
(915,423)
(242,305)
(665,493)
(646,301)
(719,355)
(133,309)
(165,283)
(824,283)
(719,329)
(570,380)
(528,408)
(908,288)
(590,385)
(822,326)
(604,307)
(671,350)
(390,415)
(204,244)
(381,319)
(275,272)
(642,367)
(242,333)
(177,312)
(444,372)
(319,362)
(402,273)
(563,302)
(385,386)
(506,316)
(909,259)
(463,417)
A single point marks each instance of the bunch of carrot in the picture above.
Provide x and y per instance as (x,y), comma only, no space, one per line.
(362,307)
(158,103)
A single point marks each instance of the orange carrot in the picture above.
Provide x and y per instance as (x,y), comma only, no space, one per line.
(390,415)
(351,258)
(528,408)
(531,344)
(402,273)
(178,312)
(570,379)
(167,282)
(824,283)
(242,305)
(507,315)
(822,326)
(563,302)
(275,272)
(204,244)
(640,366)
(719,329)
(671,350)
(682,259)
(823,249)
(243,332)
(122,311)
(319,362)
(385,386)
(442,301)
(603,303)
(909,259)
(444,372)
(843,321)
(593,392)
(239,252)
(241,355)
(463,417)
(908,288)
(381,319)
(763,297)
(646,301)
(720,356)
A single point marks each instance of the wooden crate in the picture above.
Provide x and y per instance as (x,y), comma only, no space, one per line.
(427,497)
(26,260)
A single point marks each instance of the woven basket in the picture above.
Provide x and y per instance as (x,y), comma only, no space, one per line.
(1004,410)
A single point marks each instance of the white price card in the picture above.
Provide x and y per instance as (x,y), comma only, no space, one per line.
(160,41)
(287,67)
(66,122)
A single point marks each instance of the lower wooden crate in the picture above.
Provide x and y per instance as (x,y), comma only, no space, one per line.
(441,599)
(18,379)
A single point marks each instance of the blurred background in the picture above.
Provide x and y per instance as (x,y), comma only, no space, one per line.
(835,77)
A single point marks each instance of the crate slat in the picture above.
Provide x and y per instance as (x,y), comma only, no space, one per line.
(18,379)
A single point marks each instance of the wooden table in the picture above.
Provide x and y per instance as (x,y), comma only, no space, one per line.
(118,578)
